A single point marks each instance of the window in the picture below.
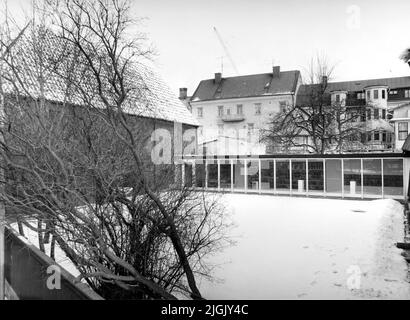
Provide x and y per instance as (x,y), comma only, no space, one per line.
(384,136)
(369,136)
(282,106)
(200,112)
(375,94)
(239,109)
(220,111)
(362,115)
(228,111)
(360,96)
(376,114)
(368,95)
(393,92)
(376,136)
(403,130)
(250,127)
(338,98)
(407,93)
(258,108)
(383,94)
(369,114)
(383,113)
(220,129)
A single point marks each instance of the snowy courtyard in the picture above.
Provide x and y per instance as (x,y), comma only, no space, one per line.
(304,248)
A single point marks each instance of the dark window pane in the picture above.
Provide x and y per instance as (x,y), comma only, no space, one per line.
(372,177)
(253,175)
(200,175)
(239,174)
(225,171)
(299,175)
(315,172)
(334,176)
(213,175)
(282,176)
(188,175)
(352,177)
(393,177)
(267,175)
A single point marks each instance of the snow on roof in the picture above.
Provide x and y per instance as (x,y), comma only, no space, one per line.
(52,68)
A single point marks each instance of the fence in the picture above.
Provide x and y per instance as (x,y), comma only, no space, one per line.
(383,175)
(26,274)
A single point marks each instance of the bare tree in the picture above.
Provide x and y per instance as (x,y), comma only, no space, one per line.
(76,157)
(314,122)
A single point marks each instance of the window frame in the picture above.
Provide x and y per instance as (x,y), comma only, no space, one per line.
(402,131)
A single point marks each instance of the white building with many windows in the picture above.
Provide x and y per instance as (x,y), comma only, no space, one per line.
(233,110)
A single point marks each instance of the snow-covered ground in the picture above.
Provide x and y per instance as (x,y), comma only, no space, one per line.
(301,248)
(304,248)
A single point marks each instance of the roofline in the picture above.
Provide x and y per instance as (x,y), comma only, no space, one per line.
(297,72)
(247,97)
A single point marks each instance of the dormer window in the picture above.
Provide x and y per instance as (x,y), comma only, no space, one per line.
(200,112)
(407,93)
(383,94)
(375,94)
(368,95)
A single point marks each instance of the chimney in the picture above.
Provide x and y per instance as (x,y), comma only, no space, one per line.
(324,81)
(276,71)
(218,78)
(183,93)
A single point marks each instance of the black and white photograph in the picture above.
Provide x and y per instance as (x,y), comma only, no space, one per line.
(212,152)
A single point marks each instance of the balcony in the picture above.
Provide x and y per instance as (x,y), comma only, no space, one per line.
(233,117)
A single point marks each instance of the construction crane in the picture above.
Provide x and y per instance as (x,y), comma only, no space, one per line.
(226,51)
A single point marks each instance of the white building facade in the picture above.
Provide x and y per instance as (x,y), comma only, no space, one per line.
(233,111)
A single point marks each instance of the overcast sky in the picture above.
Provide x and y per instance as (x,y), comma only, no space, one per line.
(363,38)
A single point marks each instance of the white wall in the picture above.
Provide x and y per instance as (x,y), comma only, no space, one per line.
(270,105)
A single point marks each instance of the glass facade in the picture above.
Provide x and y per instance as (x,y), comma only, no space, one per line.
(188,176)
(212,175)
(334,176)
(352,177)
(372,177)
(282,176)
(239,174)
(225,172)
(340,177)
(253,175)
(393,177)
(315,176)
(200,175)
(267,175)
(298,176)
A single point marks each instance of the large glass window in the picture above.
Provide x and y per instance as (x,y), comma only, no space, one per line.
(200,175)
(225,174)
(212,175)
(334,176)
(282,175)
(253,174)
(315,172)
(393,177)
(238,175)
(299,175)
(188,177)
(352,177)
(267,175)
(403,130)
(372,177)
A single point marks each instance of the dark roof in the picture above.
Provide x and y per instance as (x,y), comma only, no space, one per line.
(247,86)
(359,85)
(149,95)
(306,92)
